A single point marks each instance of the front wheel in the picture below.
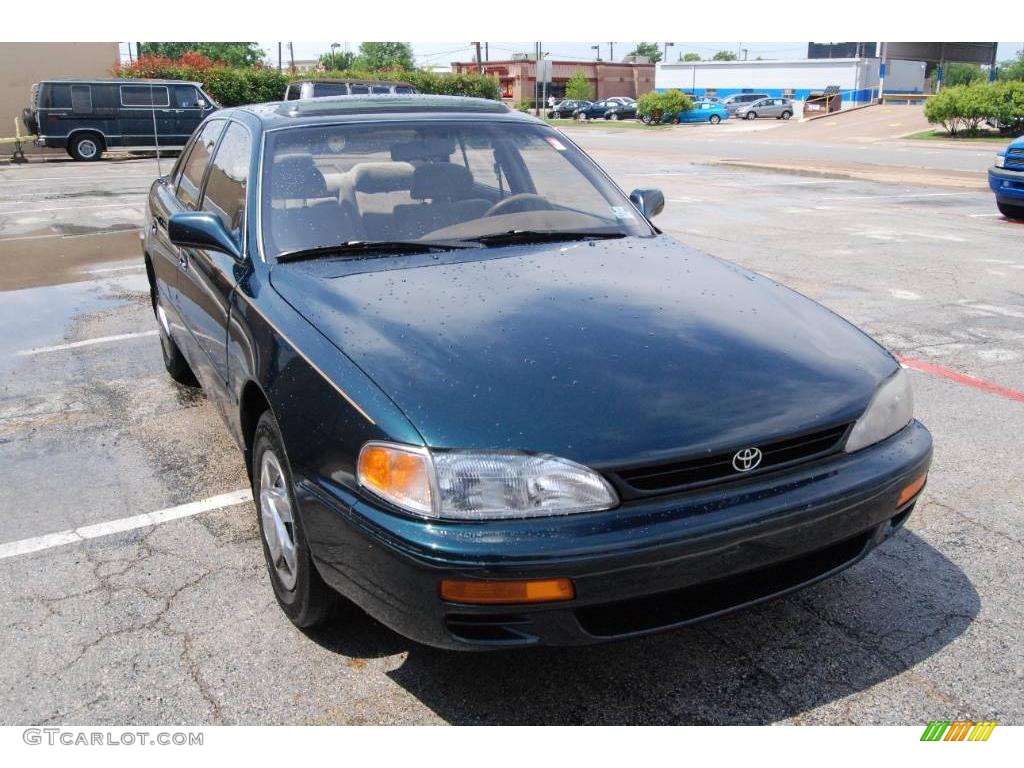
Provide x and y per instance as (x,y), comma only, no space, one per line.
(786,115)
(613,116)
(714,119)
(302,594)
(750,116)
(675,120)
(1015,212)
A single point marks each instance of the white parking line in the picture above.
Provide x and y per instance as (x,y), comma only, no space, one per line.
(115,269)
(67,237)
(85,343)
(86,532)
(64,208)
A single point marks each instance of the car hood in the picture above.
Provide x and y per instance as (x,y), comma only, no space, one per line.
(604,352)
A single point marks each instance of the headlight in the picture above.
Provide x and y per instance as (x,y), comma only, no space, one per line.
(1000,161)
(480,485)
(890,410)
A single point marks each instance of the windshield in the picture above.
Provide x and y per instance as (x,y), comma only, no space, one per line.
(432,181)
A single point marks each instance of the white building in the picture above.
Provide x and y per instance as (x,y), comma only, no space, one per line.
(857,79)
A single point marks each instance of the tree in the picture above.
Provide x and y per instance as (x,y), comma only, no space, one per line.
(232,54)
(958,73)
(653,106)
(577,87)
(689,56)
(338,62)
(724,56)
(375,56)
(1013,69)
(649,50)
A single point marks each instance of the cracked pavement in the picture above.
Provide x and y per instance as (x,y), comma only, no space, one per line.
(177,623)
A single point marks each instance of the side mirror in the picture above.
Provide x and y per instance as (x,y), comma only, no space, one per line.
(201,103)
(651,202)
(201,230)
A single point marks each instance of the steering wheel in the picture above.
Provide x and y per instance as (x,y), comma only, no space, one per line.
(524,201)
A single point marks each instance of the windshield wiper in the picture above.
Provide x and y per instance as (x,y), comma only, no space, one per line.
(383,247)
(516,236)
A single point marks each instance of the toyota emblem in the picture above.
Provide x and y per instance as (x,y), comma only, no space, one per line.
(746,459)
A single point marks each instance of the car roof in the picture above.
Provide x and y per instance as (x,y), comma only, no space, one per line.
(382,107)
(118,81)
(348,81)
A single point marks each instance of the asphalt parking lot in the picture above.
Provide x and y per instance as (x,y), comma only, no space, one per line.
(171,618)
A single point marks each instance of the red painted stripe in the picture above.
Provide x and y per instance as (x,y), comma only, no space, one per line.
(962,378)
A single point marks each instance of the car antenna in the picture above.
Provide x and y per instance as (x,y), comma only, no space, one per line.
(156,133)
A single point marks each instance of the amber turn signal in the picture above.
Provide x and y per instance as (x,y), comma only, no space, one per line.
(506,592)
(911,490)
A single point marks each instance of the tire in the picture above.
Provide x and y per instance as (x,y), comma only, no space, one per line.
(714,119)
(175,363)
(675,120)
(750,116)
(1015,212)
(302,594)
(613,116)
(786,115)
(645,119)
(86,147)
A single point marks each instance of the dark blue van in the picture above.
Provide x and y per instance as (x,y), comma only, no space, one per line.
(1006,179)
(88,117)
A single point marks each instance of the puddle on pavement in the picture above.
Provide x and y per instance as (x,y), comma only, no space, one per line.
(33,261)
(42,316)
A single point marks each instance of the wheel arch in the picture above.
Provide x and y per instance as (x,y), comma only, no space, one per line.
(252,404)
(73,134)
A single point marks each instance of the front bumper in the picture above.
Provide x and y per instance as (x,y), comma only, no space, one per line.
(643,567)
(1007,184)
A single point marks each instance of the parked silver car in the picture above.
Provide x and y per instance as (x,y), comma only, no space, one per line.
(737,100)
(780,109)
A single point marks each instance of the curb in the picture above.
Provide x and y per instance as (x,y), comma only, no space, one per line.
(890,176)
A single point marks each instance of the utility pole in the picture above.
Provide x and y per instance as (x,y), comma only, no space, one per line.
(597,52)
(611,52)
(487,51)
(479,63)
(279,67)
(739,48)
(291,55)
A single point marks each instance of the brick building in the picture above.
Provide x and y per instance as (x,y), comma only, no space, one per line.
(518,77)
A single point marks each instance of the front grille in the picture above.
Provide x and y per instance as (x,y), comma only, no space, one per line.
(702,601)
(716,468)
(1015,158)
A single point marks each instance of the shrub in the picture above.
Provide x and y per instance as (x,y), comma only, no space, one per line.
(655,105)
(963,108)
(232,86)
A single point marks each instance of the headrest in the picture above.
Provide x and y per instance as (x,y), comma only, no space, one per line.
(296,176)
(374,178)
(441,181)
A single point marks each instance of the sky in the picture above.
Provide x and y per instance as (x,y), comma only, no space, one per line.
(444,53)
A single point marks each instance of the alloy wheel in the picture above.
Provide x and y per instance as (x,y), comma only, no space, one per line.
(278,519)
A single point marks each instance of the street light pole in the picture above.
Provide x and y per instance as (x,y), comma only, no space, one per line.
(611,52)
(665,55)
(334,61)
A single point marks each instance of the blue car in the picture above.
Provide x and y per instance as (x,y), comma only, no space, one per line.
(482,397)
(1006,179)
(701,112)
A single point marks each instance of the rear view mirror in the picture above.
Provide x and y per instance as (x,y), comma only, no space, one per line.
(649,201)
(201,230)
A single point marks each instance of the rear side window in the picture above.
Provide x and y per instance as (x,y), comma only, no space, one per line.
(144,96)
(381,89)
(59,96)
(360,89)
(229,175)
(81,99)
(192,172)
(330,89)
(404,89)
(293,92)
